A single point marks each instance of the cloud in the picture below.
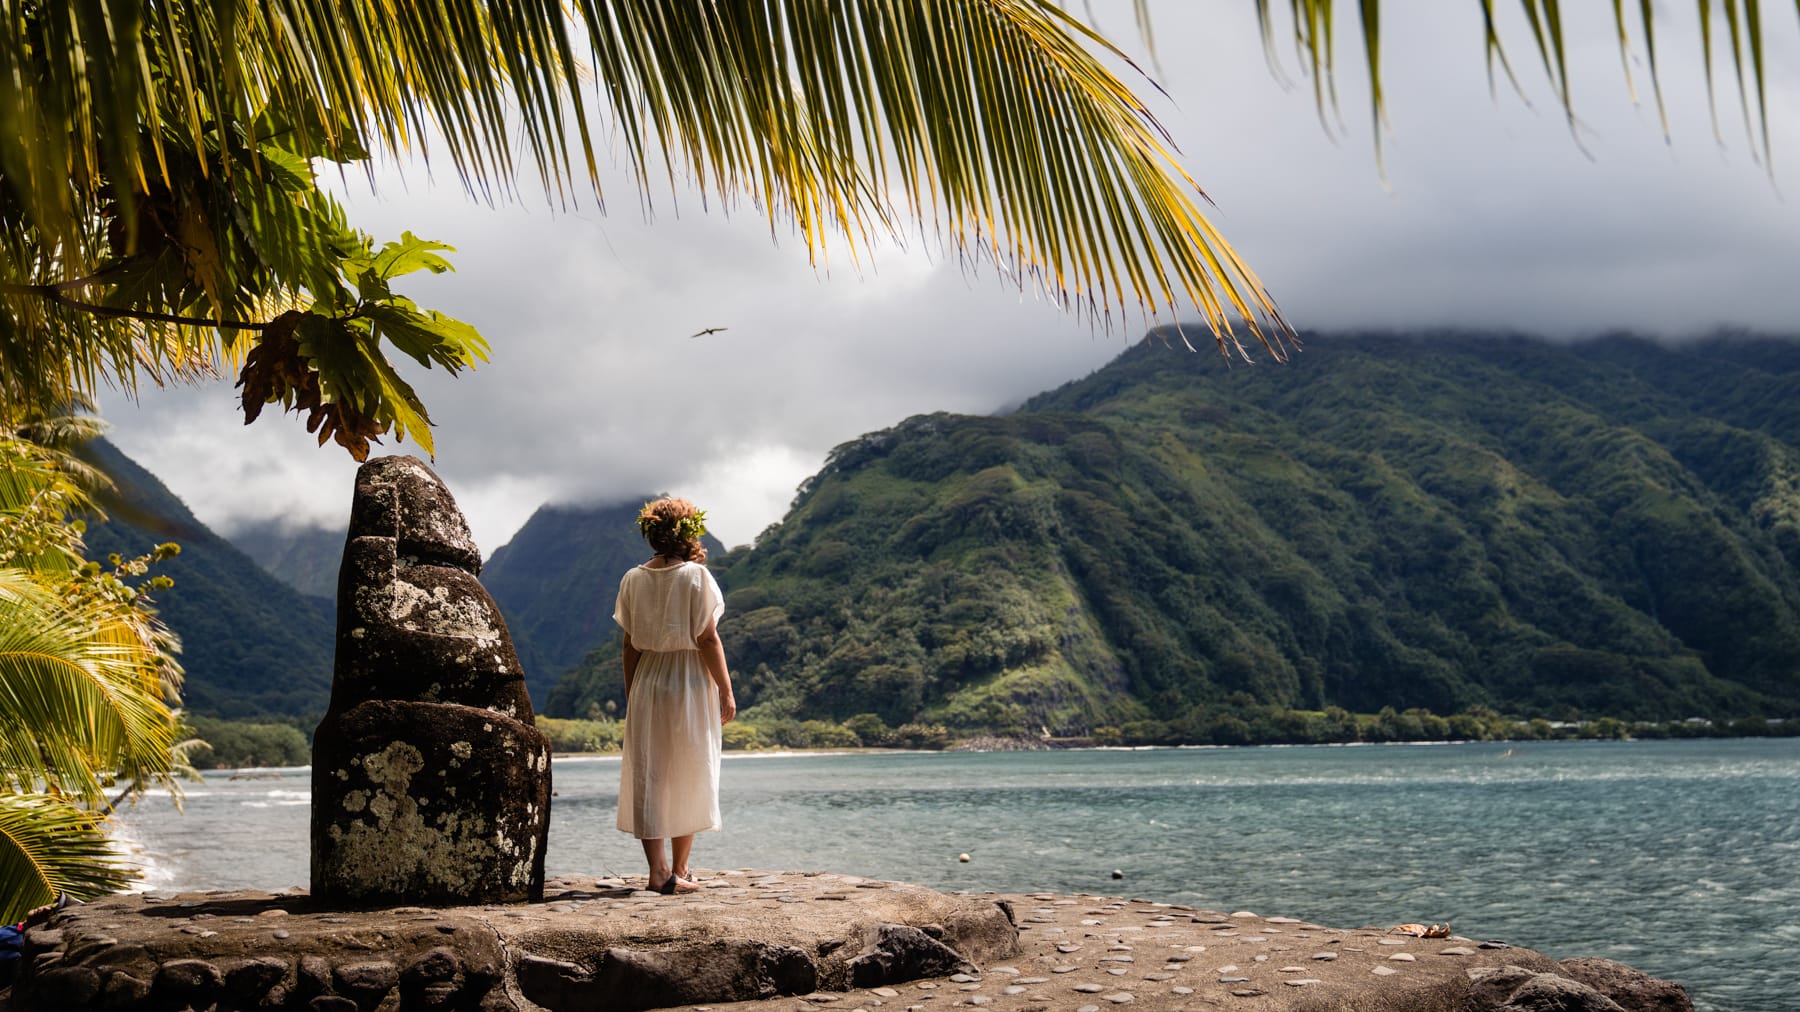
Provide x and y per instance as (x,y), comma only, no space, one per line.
(1493,214)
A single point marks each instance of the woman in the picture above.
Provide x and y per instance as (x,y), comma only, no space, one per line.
(677,693)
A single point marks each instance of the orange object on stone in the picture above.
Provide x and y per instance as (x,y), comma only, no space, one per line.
(1421,930)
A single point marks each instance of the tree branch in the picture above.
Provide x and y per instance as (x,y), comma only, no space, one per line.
(54,294)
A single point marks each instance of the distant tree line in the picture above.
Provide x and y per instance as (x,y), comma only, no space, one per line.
(237,744)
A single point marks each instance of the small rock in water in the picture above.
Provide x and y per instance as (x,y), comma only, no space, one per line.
(1118,873)
(964,858)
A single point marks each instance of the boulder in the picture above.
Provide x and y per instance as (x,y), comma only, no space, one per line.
(589,947)
(430,782)
(1633,989)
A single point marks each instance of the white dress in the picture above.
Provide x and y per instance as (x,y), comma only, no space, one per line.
(669,780)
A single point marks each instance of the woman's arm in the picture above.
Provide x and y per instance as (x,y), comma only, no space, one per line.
(630,661)
(712,657)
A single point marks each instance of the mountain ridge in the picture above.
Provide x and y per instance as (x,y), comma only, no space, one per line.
(1436,521)
(253,647)
(1443,521)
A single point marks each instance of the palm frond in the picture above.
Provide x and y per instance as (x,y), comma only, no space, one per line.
(80,687)
(50,847)
(1743,42)
(995,122)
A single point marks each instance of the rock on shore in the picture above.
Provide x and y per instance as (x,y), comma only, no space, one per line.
(778,940)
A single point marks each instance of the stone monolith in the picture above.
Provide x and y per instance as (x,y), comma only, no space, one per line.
(430,783)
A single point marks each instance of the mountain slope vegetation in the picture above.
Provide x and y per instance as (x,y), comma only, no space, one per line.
(556,579)
(253,646)
(1437,521)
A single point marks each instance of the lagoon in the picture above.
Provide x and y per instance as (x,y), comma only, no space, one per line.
(1677,857)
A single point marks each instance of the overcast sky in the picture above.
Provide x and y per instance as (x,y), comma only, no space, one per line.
(1491,215)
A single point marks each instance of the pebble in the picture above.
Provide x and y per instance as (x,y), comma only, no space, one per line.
(1159,976)
(1064,969)
(1067,947)
(1324,956)
(1012,989)
(1384,971)
(1403,957)
(1181,990)
(1457,950)
(1089,988)
(964,858)
(1120,997)
(1302,981)
(886,992)
(1033,980)
(979,999)
(962,978)
(1117,971)
(1233,980)
(1088,1008)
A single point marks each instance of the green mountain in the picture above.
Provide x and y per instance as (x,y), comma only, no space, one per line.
(305,557)
(252,646)
(556,579)
(1438,521)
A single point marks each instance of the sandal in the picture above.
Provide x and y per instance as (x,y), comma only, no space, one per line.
(675,885)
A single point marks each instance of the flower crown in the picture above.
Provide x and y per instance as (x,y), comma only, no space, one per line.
(688,528)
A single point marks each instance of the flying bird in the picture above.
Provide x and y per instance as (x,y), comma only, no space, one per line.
(709,330)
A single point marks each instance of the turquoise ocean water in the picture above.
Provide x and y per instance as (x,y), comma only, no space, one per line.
(1680,858)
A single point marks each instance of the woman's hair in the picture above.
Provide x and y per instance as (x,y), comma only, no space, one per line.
(673,527)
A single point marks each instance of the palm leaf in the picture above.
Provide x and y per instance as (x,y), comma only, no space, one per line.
(994,122)
(81,688)
(50,847)
(1744,42)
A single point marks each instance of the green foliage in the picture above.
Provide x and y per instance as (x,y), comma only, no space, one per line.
(597,735)
(254,649)
(89,675)
(1245,722)
(236,744)
(1603,529)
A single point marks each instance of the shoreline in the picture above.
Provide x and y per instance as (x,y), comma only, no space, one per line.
(1012,745)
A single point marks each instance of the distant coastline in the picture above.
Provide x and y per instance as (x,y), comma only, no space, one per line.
(1001,743)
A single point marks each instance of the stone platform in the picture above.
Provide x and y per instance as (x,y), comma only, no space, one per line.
(754,941)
